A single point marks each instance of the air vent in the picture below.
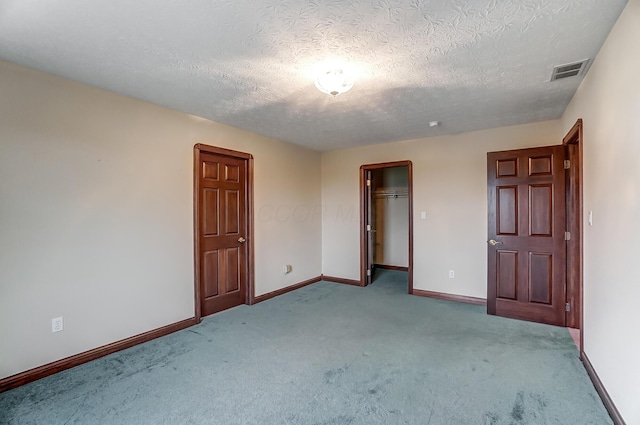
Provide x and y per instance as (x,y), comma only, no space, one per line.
(569,70)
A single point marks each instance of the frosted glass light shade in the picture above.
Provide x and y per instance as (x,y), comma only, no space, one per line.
(334,82)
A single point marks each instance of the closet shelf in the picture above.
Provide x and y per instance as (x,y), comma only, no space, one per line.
(391,193)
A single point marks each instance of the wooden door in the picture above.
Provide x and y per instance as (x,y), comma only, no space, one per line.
(527,253)
(222,231)
(371,222)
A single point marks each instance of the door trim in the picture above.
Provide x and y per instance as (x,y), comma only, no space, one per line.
(573,143)
(248,159)
(363,215)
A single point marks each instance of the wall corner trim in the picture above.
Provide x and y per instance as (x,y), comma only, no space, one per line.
(616,417)
(272,294)
(449,297)
(39,372)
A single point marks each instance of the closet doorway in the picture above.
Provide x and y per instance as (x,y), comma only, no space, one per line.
(386,219)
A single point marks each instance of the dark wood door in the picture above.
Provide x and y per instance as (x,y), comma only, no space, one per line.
(371,222)
(527,253)
(222,217)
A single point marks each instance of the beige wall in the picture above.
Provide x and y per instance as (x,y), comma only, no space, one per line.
(392,231)
(96,215)
(449,184)
(608,101)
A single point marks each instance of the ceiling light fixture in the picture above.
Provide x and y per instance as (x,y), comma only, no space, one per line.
(334,82)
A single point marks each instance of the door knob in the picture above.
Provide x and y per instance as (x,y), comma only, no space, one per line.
(494,242)
(241,239)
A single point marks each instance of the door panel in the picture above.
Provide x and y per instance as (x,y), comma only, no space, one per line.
(508,212)
(223,231)
(527,264)
(507,167)
(210,277)
(232,173)
(210,212)
(540,277)
(540,210)
(210,170)
(507,277)
(540,165)
(232,212)
(233,270)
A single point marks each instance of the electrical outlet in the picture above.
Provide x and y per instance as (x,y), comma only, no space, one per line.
(452,274)
(57,324)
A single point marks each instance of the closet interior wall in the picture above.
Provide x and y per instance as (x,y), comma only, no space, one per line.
(391,203)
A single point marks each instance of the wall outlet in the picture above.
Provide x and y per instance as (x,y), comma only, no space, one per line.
(452,274)
(287,268)
(57,324)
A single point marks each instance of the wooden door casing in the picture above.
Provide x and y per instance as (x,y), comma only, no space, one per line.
(222,229)
(526,204)
(573,145)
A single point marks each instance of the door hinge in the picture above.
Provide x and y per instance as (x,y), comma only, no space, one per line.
(567,307)
(368,272)
(567,236)
(368,182)
(368,227)
(567,164)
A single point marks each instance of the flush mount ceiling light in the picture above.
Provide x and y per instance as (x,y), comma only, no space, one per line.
(334,82)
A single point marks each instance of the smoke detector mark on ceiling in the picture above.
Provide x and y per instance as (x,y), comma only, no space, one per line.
(569,70)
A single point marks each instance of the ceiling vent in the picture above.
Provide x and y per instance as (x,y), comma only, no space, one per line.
(569,70)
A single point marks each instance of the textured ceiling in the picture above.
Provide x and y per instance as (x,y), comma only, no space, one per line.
(470,64)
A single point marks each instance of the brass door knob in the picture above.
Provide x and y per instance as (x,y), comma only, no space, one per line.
(241,239)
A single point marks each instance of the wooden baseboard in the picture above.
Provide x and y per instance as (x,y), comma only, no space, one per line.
(602,392)
(341,280)
(449,297)
(39,372)
(387,267)
(281,291)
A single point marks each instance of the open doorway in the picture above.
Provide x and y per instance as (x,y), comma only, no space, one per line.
(386,235)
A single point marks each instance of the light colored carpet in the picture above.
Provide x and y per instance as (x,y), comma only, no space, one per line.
(329,354)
